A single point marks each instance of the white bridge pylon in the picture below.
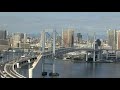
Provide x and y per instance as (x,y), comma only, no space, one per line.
(53,49)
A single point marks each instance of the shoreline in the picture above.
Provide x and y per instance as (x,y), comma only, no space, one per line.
(102,61)
(95,61)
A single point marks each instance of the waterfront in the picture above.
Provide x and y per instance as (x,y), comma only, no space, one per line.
(68,69)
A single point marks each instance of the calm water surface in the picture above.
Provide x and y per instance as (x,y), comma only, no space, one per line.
(68,69)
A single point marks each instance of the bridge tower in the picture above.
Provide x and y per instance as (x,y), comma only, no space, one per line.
(62,39)
(94,48)
(86,56)
(43,50)
(87,40)
(44,73)
(54,37)
(53,55)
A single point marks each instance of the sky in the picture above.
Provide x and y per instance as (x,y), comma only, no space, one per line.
(84,22)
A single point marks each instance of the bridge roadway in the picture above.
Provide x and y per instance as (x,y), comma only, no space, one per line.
(7,69)
(7,57)
(66,50)
(3,74)
(61,50)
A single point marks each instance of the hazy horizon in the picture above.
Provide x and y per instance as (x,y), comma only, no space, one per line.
(83,22)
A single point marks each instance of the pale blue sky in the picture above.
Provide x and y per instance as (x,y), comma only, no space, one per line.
(34,22)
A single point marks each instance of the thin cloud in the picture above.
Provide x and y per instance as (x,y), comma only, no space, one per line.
(85,22)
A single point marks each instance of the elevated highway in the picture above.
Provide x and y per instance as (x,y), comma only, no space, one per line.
(9,67)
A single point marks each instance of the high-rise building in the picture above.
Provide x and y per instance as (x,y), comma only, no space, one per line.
(112,38)
(118,40)
(17,38)
(79,37)
(3,34)
(4,42)
(68,38)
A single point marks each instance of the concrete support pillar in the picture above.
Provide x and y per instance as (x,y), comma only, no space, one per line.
(18,65)
(53,67)
(54,37)
(43,49)
(94,49)
(86,56)
(62,39)
(30,71)
(107,55)
(99,55)
(94,56)
(54,45)
(116,55)
(43,68)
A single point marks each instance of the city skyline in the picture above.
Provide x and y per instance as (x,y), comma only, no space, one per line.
(71,42)
(83,22)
